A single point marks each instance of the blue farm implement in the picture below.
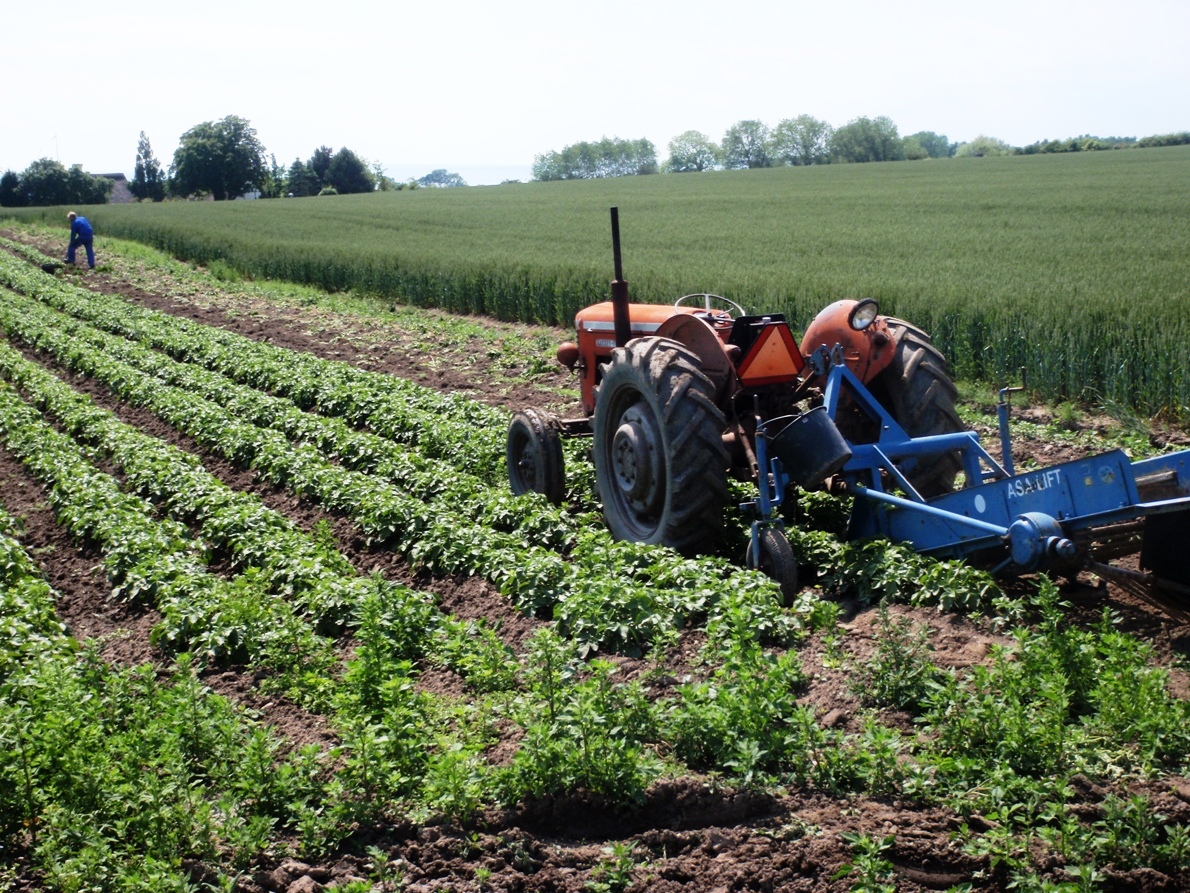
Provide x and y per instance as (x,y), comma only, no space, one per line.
(1064,518)
(677,398)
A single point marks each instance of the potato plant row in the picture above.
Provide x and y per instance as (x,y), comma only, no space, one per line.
(29,625)
(465,433)
(1048,762)
(399,748)
(158,561)
(391,737)
(109,776)
(252,616)
(426,478)
(641,593)
(114,518)
(310,383)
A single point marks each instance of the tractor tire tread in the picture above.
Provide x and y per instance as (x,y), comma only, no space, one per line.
(922,398)
(539,429)
(692,518)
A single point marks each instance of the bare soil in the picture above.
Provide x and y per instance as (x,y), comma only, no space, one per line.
(692,833)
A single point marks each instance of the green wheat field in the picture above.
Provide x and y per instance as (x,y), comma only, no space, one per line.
(1075,267)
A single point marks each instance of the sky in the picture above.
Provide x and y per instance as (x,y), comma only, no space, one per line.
(481,88)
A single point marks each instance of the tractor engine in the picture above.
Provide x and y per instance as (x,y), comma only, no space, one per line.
(744,353)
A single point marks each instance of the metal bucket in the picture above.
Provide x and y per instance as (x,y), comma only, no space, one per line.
(809,446)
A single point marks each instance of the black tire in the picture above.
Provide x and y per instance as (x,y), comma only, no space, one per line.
(917,390)
(660,462)
(777,561)
(534,455)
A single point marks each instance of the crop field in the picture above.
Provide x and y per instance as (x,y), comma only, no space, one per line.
(1066,265)
(273,622)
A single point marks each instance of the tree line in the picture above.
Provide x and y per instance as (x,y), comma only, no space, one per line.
(221,159)
(802,140)
(605,158)
(47,182)
(225,160)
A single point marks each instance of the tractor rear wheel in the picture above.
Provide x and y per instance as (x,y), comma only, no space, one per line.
(920,395)
(660,462)
(534,455)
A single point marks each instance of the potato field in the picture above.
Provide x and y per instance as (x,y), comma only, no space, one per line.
(272,621)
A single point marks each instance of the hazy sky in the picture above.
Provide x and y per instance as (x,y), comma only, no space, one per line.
(481,88)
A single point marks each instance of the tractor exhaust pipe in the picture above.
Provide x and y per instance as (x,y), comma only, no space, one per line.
(619,287)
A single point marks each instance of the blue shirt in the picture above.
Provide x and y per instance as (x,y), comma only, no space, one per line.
(81,229)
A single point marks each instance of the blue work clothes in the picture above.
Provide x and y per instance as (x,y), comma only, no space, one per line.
(81,234)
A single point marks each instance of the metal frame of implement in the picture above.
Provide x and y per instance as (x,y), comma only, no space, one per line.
(1036,519)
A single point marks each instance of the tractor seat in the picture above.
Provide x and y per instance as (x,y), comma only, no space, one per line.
(745,329)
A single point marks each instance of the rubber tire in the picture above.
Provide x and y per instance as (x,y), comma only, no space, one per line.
(918,392)
(660,381)
(777,561)
(534,455)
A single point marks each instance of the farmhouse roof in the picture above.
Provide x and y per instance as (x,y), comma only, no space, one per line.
(121,194)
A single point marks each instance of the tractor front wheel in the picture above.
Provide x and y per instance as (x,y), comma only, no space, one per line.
(534,455)
(660,462)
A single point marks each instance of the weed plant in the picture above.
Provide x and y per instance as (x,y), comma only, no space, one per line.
(870,870)
(1007,738)
(582,730)
(900,674)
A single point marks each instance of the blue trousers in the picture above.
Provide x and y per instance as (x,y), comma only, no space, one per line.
(89,244)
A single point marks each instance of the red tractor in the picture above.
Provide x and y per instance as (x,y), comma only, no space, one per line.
(678,397)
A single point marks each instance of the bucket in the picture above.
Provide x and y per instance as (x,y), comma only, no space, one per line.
(809,446)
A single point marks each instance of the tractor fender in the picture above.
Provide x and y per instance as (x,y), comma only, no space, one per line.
(867,352)
(713,359)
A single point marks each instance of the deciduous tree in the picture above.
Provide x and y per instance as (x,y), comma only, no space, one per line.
(746,145)
(441,179)
(47,182)
(274,181)
(384,182)
(983,146)
(613,157)
(347,173)
(868,139)
(10,190)
(87,189)
(936,145)
(692,151)
(223,158)
(801,140)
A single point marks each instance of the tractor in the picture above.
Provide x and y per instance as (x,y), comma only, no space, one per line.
(677,398)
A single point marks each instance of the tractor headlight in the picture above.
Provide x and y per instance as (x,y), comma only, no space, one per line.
(863,314)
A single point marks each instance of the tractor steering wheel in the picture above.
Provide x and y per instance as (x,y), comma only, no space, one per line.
(708,298)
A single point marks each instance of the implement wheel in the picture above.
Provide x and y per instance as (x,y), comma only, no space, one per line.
(660,462)
(534,455)
(777,561)
(920,395)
